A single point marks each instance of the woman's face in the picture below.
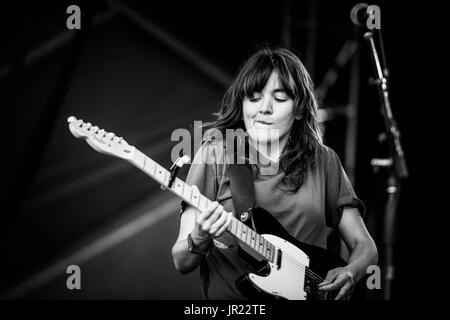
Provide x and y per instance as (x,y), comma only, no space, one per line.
(269,115)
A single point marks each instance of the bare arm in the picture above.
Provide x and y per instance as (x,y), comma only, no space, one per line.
(363,253)
(203,227)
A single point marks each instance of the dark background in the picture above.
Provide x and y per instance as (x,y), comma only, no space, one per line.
(142,70)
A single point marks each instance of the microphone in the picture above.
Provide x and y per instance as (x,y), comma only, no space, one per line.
(359,14)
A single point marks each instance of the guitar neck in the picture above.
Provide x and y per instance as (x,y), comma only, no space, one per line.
(194,198)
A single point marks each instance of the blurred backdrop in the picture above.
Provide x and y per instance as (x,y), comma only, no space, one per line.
(142,70)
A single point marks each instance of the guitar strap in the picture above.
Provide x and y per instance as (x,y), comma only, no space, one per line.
(242,191)
(242,188)
(243,194)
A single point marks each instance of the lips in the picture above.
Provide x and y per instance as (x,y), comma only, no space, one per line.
(263,122)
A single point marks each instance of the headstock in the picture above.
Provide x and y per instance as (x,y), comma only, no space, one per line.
(101,140)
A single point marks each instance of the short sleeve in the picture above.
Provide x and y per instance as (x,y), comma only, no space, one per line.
(339,190)
(204,171)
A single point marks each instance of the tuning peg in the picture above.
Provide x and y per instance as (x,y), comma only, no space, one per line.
(101,132)
(95,129)
(71,119)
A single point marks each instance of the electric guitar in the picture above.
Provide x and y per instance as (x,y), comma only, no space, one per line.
(289,269)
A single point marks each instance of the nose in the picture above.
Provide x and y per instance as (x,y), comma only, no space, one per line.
(266,106)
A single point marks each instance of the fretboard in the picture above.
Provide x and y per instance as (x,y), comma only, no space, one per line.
(200,202)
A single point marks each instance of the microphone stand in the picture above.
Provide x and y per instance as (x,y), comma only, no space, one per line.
(396,164)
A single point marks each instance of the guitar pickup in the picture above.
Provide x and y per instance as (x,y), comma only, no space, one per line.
(279,255)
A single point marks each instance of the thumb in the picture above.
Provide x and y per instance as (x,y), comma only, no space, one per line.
(331,275)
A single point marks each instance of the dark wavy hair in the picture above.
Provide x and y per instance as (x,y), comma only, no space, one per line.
(303,146)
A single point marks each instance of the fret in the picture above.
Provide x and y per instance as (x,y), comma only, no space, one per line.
(247,234)
(250,236)
(244,233)
(145,160)
(264,247)
(160,174)
(178,186)
(259,244)
(203,202)
(187,193)
(139,158)
(150,166)
(231,226)
(195,198)
(238,229)
(252,239)
(234,226)
(166,178)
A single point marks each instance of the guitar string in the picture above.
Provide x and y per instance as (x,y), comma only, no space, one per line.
(317,279)
(299,272)
(298,276)
(294,265)
(299,266)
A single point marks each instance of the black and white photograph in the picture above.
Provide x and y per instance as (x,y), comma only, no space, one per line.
(226,156)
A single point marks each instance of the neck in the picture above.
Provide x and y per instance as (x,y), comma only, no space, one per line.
(271,150)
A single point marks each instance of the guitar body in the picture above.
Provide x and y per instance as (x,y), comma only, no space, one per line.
(290,278)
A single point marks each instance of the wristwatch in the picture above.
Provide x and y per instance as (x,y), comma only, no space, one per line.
(191,246)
